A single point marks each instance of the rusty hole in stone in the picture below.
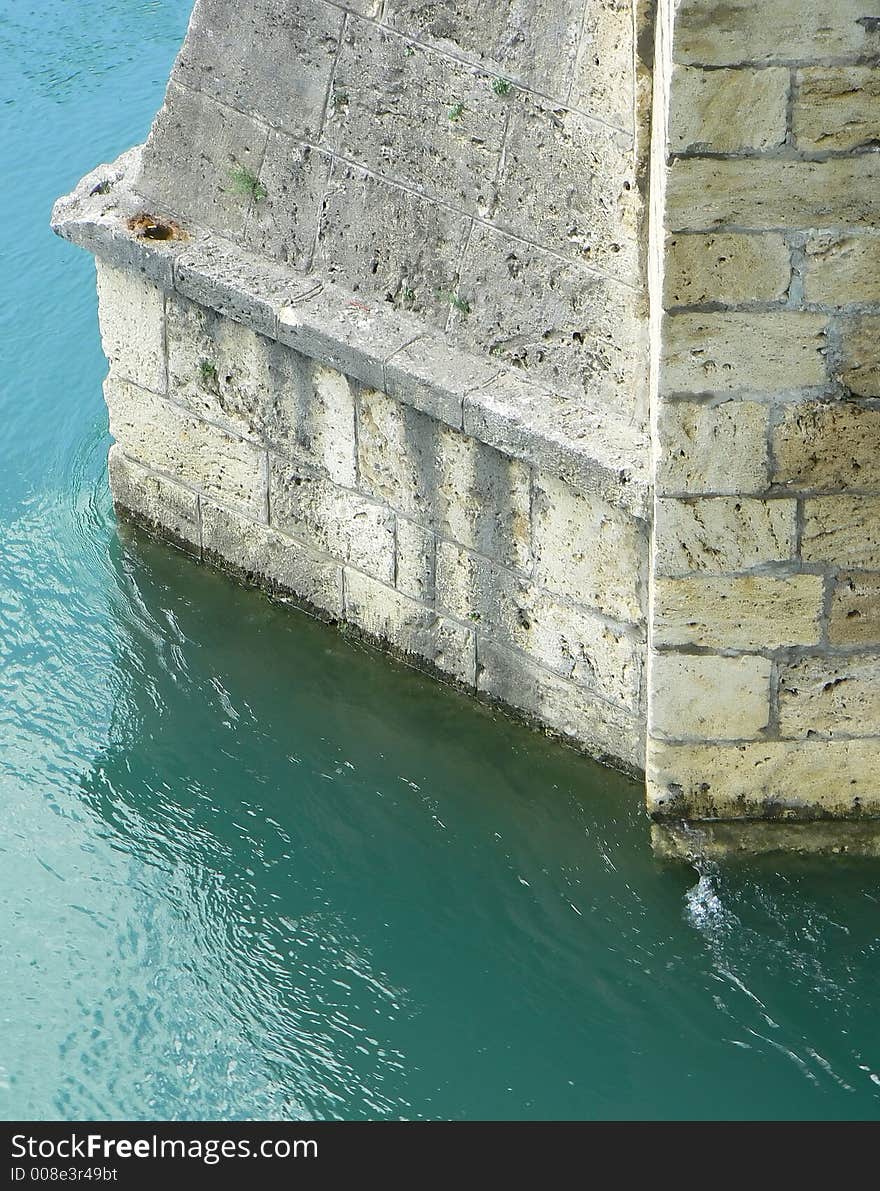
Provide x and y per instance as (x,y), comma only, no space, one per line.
(150,227)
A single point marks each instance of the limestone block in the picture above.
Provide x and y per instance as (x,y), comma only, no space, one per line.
(764,192)
(167,439)
(837,107)
(722,111)
(842,530)
(562,636)
(131,313)
(860,350)
(444,479)
(727,352)
(159,504)
(855,611)
(269,58)
(603,729)
(589,551)
(828,445)
(563,326)
(568,183)
(256,387)
(416,555)
(269,559)
(433,377)
(385,88)
(707,697)
(773,778)
(831,696)
(721,32)
(712,448)
(603,84)
(283,223)
(389,244)
(738,612)
(842,268)
(333,520)
(722,534)
(409,627)
(191,157)
(725,268)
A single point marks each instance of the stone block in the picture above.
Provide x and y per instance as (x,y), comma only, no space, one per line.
(828,446)
(842,268)
(283,224)
(163,507)
(830,696)
(169,440)
(725,111)
(727,269)
(855,610)
(722,534)
(837,107)
(707,697)
(416,556)
(589,551)
(603,83)
(434,378)
(738,612)
(843,531)
(407,626)
(860,355)
(131,313)
(331,519)
(712,448)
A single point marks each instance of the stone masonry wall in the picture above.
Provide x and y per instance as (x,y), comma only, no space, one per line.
(765,628)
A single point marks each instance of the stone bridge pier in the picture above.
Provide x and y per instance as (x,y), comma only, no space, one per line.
(539,342)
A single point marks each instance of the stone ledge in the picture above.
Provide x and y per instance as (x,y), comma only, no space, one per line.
(373,344)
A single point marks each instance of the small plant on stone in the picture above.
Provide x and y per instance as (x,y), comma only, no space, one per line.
(339,100)
(208,375)
(407,295)
(456,112)
(459,303)
(246,183)
(502,86)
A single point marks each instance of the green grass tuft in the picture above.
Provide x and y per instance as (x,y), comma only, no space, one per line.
(246,183)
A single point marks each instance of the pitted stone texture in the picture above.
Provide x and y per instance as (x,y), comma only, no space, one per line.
(283,224)
(390,244)
(707,697)
(131,312)
(722,111)
(738,612)
(257,388)
(713,448)
(333,520)
(564,637)
(837,107)
(419,117)
(189,162)
(167,439)
(565,327)
(568,183)
(416,556)
(830,445)
(860,350)
(725,268)
(842,268)
(572,711)
(855,610)
(843,530)
(603,84)
(409,627)
(162,506)
(831,697)
(444,479)
(434,378)
(589,551)
(269,58)
(272,560)
(722,534)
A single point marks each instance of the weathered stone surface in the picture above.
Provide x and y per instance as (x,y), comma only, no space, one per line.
(263,556)
(283,223)
(753,352)
(409,627)
(842,268)
(706,697)
(722,111)
(416,556)
(828,445)
(444,479)
(603,729)
(766,192)
(855,611)
(155,501)
(269,58)
(738,612)
(603,83)
(725,268)
(860,348)
(333,520)
(589,551)
(561,636)
(434,378)
(165,438)
(131,312)
(842,530)
(830,696)
(712,448)
(722,534)
(837,107)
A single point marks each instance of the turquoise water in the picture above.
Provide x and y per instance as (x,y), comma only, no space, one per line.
(248,869)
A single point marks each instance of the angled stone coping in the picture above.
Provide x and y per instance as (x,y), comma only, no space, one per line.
(369,342)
